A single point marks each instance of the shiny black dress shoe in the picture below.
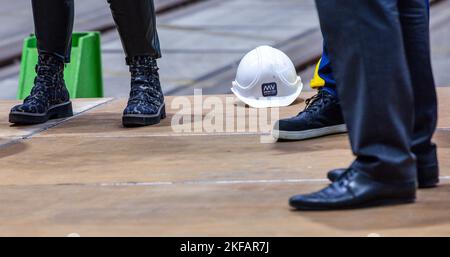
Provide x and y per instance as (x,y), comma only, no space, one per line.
(426,179)
(334,175)
(355,190)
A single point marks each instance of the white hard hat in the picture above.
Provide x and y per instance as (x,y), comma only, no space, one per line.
(266,77)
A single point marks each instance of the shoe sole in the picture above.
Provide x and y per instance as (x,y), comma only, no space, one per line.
(59,111)
(429,184)
(308,134)
(139,120)
(370,204)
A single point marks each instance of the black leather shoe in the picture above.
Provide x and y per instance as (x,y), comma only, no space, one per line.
(426,178)
(355,190)
(49,98)
(322,116)
(334,175)
(146,103)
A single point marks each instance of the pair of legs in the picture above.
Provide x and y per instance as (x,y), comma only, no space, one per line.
(381,61)
(327,118)
(136,23)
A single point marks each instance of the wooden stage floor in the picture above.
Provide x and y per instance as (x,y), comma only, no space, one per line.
(88,175)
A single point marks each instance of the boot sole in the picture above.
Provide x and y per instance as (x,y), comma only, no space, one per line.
(59,111)
(308,134)
(139,120)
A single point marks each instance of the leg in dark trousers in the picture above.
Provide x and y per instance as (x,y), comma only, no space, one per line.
(368,55)
(136,23)
(49,98)
(374,84)
(53,21)
(414,17)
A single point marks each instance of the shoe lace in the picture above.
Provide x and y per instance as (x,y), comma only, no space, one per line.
(316,102)
(346,177)
(143,78)
(46,77)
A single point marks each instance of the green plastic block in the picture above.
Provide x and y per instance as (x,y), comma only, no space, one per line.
(83,75)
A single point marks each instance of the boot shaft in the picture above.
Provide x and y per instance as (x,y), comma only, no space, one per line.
(49,86)
(50,70)
(143,66)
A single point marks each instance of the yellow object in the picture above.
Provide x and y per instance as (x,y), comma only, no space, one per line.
(317,82)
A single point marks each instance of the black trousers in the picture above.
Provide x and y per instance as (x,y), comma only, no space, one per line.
(380,52)
(135,21)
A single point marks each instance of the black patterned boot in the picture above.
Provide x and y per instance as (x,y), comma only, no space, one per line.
(146,104)
(49,98)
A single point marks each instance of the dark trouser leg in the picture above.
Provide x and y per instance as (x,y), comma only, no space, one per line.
(414,16)
(53,20)
(369,64)
(326,72)
(136,23)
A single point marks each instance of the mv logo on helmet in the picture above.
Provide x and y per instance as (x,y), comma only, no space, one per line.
(269,89)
